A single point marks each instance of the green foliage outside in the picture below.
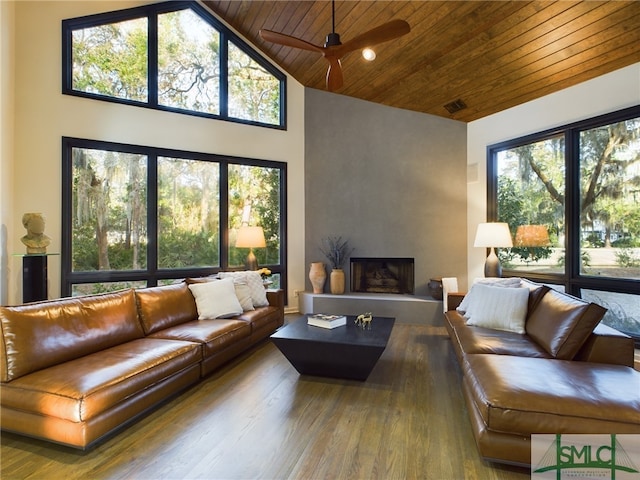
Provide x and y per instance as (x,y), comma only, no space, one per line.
(531,191)
(254,200)
(188,62)
(188,213)
(109,202)
(254,94)
(109,188)
(112,60)
(524,198)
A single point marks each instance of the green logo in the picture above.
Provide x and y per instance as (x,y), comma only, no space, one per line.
(585,456)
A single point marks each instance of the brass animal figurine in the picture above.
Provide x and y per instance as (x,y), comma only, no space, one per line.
(364,320)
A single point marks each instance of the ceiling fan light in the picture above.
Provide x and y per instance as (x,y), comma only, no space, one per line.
(368,54)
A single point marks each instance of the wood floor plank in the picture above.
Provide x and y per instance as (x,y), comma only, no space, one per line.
(258,418)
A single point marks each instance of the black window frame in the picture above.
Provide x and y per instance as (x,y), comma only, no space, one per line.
(572,279)
(152,11)
(152,274)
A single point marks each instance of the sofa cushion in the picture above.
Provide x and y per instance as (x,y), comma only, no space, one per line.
(261,318)
(497,308)
(472,340)
(216,299)
(42,334)
(165,306)
(607,345)
(535,395)
(212,335)
(536,292)
(561,323)
(85,387)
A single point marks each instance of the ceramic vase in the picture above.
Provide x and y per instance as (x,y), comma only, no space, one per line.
(337,281)
(318,276)
(435,288)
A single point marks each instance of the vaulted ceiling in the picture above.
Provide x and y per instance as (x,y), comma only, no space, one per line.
(490,55)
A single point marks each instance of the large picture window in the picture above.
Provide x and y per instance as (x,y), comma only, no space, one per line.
(171,56)
(138,216)
(570,197)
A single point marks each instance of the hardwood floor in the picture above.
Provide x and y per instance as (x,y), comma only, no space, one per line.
(256,418)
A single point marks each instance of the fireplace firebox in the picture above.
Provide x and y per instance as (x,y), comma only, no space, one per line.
(382,275)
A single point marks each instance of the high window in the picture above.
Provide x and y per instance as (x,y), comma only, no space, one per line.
(138,216)
(570,197)
(171,56)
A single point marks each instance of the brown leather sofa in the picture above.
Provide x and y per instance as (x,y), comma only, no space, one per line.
(75,370)
(566,377)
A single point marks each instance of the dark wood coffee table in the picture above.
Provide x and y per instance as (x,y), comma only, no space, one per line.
(342,352)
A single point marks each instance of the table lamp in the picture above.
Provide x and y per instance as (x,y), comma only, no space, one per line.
(490,235)
(532,236)
(251,237)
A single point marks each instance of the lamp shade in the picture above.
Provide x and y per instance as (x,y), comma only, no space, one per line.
(493,234)
(250,237)
(532,236)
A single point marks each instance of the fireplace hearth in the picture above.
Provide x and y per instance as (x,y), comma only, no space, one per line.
(382,275)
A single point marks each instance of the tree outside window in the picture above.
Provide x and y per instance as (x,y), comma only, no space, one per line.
(111,60)
(171,61)
(570,197)
(109,210)
(609,196)
(531,195)
(254,200)
(188,213)
(141,216)
(188,62)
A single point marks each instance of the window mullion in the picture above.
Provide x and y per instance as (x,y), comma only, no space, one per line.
(152,60)
(152,219)
(224,214)
(572,210)
(224,74)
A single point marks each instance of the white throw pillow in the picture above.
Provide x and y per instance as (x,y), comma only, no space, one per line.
(254,281)
(498,308)
(512,282)
(216,299)
(243,292)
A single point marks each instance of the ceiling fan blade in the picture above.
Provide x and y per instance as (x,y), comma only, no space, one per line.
(282,39)
(383,33)
(334,73)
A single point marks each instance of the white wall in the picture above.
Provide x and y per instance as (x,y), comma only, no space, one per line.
(7,35)
(608,93)
(43,115)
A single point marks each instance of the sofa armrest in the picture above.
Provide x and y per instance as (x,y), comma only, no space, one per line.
(454,299)
(276,298)
(607,345)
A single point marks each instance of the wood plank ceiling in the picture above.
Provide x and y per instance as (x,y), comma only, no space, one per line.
(492,55)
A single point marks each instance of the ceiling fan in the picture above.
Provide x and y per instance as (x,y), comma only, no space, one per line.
(333,50)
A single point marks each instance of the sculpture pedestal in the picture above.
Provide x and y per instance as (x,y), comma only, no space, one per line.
(34,278)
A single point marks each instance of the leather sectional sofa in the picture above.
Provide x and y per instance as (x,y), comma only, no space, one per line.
(565,373)
(75,370)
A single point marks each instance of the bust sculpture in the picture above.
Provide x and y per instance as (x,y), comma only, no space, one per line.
(35,239)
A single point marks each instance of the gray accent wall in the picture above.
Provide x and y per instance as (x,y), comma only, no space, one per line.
(391,181)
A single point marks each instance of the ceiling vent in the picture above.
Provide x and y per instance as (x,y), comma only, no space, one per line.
(455,106)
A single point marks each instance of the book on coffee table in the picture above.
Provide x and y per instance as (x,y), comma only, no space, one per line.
(326,321)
